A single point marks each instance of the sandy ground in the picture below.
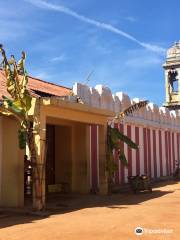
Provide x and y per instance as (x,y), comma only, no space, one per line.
(100,217)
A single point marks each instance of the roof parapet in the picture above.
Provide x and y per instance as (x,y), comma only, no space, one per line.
(101,97)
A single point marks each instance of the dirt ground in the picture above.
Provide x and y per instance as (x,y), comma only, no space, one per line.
(95,217)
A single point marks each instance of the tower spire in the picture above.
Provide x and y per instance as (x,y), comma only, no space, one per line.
(172,77)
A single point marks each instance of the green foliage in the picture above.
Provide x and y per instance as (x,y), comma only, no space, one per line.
(123,159)
(11,105)
(115,136)
(20,102)
(111,166)
(18,106)
(22,138)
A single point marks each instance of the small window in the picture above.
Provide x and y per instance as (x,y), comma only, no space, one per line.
(175,86)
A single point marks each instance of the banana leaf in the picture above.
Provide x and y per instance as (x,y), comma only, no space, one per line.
(117,135)
(5,112)
(123,159)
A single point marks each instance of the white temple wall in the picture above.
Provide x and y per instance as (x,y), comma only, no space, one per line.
(155,129)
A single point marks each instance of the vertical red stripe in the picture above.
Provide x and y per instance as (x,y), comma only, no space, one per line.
(154,154)
(160,153)
(149,151)
(178,152)
(122,148)
(129,152)
(170,155)
(137,151)
(173,151)
(94,167)
(145,150)
(167,154)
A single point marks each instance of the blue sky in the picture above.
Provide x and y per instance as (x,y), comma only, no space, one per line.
(123,42)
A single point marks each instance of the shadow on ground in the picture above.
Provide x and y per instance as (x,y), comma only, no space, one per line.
(61,204)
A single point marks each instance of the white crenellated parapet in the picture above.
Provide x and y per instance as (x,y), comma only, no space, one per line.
(106,99)
(95,98)
(148,114)
(117,104)
(124,99)
(168,116)
(101,97)
(133,101)
(165,115)
(153,112)
(173,117)
(178,117)
(141,112)
(82,91)
(162,112)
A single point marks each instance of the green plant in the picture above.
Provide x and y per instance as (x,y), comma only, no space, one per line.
(18,105)
(114,140)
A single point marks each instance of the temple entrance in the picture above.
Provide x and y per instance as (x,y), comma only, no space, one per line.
(59,159)
(50,157)
(68,157)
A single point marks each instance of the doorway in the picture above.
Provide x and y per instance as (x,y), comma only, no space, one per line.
(58,158)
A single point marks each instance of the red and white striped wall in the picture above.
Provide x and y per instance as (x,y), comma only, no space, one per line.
(158,150)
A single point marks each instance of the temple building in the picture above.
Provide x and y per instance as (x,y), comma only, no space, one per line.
(74,126)
(172,79)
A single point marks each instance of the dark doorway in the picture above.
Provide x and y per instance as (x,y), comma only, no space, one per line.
(50,157)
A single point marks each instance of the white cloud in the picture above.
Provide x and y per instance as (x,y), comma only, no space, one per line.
(60,8)
(60,58)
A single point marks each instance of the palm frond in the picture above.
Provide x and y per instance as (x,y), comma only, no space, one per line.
(132,108)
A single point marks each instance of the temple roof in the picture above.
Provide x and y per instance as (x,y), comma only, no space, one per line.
(173,53)
(37,87)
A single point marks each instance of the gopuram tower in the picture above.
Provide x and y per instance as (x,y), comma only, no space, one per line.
(172,77)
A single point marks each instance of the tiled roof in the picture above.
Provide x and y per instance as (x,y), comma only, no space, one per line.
(37,87)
